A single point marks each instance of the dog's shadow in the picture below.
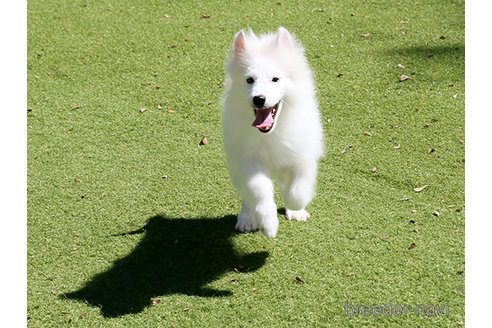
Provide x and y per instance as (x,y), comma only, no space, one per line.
(174,256)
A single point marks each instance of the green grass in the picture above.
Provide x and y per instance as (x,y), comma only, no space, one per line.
(102,247)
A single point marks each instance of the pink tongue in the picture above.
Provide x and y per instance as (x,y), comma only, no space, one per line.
(264,118)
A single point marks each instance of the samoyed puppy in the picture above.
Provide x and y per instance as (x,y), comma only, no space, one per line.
(271,128)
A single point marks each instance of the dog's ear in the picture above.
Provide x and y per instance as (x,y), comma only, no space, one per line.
(284,39)
(239,42)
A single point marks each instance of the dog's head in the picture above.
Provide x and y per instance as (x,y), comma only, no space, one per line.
(264,73)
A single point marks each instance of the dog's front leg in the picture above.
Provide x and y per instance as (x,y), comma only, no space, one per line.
(258,204)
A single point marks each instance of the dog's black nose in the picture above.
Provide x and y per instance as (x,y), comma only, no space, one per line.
(259,101)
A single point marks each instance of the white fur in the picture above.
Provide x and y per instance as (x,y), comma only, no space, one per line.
(290,152)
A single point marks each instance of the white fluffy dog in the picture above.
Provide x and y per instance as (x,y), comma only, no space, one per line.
(271,128)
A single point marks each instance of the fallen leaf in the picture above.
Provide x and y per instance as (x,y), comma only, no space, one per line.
(206,16)
(233,279)
(77,180)
(167,16)
(340,75)
(75,107)
(374,169)
(142,109)
(397,147)
(366,35)
(351,274)
(156,301)
(405,198)
(299,279)
(204,141)
(404,77)
(400,66)
(63,312)
(384,237)
(403,22)
(170,111)
(367,133)
(53,292)
(82,315)
(159,107)
(462,140)
(83,196)
(431,150)
(419,189)
(436,213)
(412,245)
(187,308)
(254,289)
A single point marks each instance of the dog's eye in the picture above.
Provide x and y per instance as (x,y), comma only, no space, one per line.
(250,80)
(275,79)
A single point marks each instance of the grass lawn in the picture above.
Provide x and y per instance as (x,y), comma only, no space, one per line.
(131,220)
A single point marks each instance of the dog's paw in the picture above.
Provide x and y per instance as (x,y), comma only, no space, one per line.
(300,215)
(246,221)
(270,228)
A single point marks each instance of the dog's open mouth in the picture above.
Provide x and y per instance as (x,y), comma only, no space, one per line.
(265,118)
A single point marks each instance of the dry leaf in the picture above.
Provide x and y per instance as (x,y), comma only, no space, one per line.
(367,133)
(156,301)
(374,169)
(412,245)
(159,107)
(53,292)
(400,66)
(405,198)
(167,16)
(351,274)
(384,237)
(233,279)
(205,16)
(75,107)
(77,180)
(404,77)
(397,147)
(403,22)
(462,140)
(187,308)
(419,189)
(366,35)
(142,110)
(170,111)
(299,279)
(204,141)
(436,213)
